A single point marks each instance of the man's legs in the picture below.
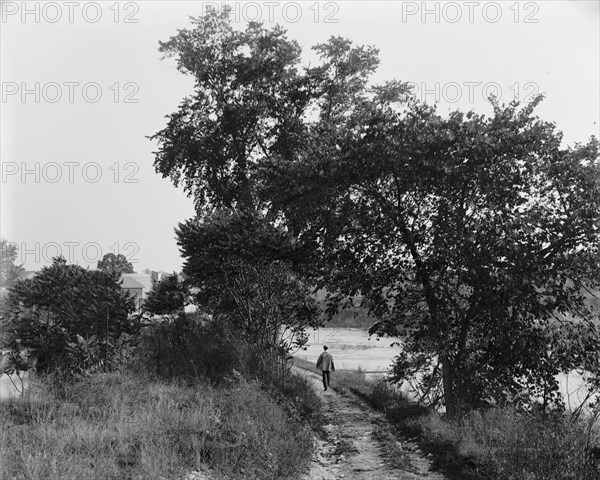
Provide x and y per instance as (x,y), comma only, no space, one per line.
(326,378)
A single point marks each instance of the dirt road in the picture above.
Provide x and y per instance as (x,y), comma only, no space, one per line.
(359,445)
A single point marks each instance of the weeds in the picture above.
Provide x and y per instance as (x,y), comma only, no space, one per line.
(495,444)
(502,443)
(178,405)
(115,426)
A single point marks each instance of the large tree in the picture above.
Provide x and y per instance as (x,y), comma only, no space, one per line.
(246,105)
(252,103)
(473,239)
(249,104)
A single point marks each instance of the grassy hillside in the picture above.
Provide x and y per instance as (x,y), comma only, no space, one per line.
(178,405)
(117,426)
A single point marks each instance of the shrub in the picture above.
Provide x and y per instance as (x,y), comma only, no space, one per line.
(187,347)
(68,319)
(194,348)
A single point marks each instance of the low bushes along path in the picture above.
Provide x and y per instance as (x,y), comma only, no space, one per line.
(359,445)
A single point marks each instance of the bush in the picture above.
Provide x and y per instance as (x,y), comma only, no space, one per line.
(193,348)
(189,347)
(67,319)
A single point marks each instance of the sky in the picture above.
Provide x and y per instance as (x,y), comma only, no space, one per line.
(83,86)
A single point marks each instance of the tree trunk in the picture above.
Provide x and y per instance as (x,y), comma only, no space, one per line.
(448,383)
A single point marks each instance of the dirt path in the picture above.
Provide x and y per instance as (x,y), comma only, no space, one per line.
(354,448)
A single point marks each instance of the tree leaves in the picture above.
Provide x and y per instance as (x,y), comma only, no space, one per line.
(471,237)
(112,263)
(473,213)
(241,268)
(47,313)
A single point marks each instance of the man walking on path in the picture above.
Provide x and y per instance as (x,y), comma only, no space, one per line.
(325,363)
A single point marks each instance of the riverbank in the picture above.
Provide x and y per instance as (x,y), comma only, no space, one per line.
(353,350)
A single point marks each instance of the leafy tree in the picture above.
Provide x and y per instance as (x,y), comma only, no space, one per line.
(68,319)
(473,239)
(8,270)
(167,296)
(242,267)
(247,103)
(112,263)
(252,103)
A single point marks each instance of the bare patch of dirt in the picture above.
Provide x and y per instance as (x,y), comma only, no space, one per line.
(359,444)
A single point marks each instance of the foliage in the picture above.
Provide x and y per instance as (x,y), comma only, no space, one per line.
(8,270)
(68,319)
(472,238)
(242,268)
(247,104)
(189,347)
(112,263)
(351,315)
(169,295)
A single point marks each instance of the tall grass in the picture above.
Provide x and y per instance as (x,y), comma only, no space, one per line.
(495,444)
(179,405)
(501,443)
(115,426)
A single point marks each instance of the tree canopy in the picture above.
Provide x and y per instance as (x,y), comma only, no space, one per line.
(473,238)
(250,105)
(112,263)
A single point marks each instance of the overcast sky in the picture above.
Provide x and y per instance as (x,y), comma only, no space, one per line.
(83,85)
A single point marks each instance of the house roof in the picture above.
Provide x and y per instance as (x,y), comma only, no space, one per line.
(144,279)
(128,282)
